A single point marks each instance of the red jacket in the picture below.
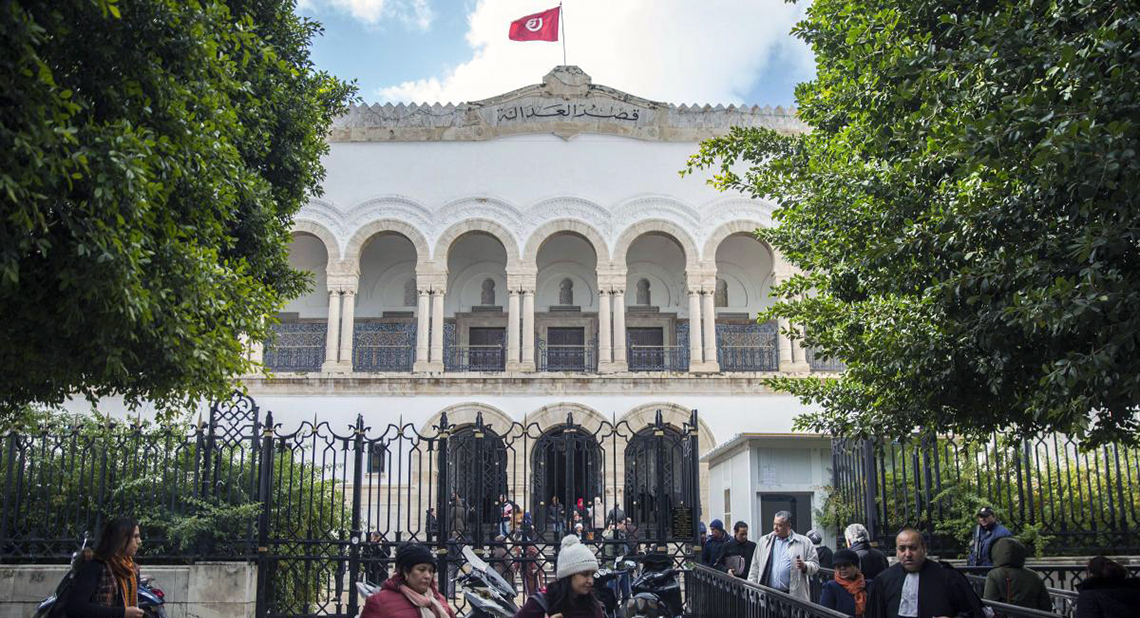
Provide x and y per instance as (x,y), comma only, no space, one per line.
(389,602)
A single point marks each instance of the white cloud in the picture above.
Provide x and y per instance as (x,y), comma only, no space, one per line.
(412,13)
(679,51)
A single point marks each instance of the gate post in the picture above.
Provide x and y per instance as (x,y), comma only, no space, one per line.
(571,465)
(443,500)
(659,438)
(265,494)
(693,467)
(356,534)
(480,486)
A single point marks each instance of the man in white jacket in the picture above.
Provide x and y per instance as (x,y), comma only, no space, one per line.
(785,560)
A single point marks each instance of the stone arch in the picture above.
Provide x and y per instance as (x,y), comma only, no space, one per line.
(731,228)
(552,415)
(672,414)
(559,226)
(327,238)
(453,233)
(465,413)
(660,226)
(379,226)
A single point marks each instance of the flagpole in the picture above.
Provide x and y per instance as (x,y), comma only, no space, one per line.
(562,23)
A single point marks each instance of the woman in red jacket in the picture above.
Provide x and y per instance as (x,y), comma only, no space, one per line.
(412,592)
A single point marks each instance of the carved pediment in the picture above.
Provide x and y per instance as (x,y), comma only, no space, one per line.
(566,104)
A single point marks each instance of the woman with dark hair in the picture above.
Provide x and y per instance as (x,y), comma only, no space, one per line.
(572,594)
(107,579)
(1108,592)
(412,591)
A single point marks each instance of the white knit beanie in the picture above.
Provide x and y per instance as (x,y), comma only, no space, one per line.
(574,558)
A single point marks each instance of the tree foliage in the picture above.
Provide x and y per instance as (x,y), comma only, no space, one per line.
(964,209)
(152,156)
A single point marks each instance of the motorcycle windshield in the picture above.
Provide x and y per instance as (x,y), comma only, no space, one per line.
(492,576)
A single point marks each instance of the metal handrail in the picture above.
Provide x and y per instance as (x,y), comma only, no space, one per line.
(712,594)
(489,357)
(667,357)
(586,361)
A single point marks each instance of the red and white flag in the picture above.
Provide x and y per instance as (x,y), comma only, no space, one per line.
(538,27)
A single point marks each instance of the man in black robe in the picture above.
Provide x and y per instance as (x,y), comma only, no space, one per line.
(735,555)
(919,588)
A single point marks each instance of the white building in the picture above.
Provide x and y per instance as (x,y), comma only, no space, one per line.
(537,254)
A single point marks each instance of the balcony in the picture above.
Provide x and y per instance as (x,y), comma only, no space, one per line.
(383,346)
(297,346)
(575,358)
(658,358)
(748,347)
(475,358)
(819,363)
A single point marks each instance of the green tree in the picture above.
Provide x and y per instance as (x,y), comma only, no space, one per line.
(965,210)
(152,156)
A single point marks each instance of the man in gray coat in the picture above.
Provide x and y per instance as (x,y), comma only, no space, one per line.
(785,560)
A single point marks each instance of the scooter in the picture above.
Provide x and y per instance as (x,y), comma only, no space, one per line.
(487,593)
(612,586)
(151,597)
(656,592)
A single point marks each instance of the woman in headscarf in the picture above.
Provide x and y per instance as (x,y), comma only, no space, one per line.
(572,594)
(847,593)
(412,591)
(107,579)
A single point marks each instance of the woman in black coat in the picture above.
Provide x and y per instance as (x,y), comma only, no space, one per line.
(107,580)
(1108,592)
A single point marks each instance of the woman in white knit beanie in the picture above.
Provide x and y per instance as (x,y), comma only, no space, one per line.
(572,594)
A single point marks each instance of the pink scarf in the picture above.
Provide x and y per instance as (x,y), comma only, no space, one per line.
(428,605)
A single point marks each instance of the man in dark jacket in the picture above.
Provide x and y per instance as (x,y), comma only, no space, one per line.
(1010,582)
(1108,592)
(920,588)
(736,553)
(717,538)
(821,550)
(871,561)
(985,535)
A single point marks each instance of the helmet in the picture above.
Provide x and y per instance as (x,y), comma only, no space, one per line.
(645,605)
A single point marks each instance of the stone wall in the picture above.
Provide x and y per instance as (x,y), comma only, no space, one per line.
(202,590)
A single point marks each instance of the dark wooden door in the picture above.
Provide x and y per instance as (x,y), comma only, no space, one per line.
(486,348)
(646,348)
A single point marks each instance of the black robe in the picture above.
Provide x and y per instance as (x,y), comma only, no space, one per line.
(942,591)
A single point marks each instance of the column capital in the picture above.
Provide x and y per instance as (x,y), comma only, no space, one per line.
(603,292)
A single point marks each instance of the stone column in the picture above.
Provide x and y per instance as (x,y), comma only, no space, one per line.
(619,330)
(437,330)
(527,330)
(512,330)
(423,327)
(332,339)
(708,318)
(785,344)
(347,330)
(696,348)
(605,347)
(798,355)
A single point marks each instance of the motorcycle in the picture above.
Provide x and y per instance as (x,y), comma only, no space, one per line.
(487,593)
(656,592)
(151,597)
(612,586)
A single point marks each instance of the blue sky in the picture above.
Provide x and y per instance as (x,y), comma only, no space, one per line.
(679,51)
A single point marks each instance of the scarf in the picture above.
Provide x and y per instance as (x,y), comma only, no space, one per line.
(857,588)
(428,605)
(127,575)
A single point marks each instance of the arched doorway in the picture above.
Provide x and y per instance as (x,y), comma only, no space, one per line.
(477,471)
(567,463)
(643,502)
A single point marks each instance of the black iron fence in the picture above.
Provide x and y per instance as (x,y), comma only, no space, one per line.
(320,508)
(490,357)
(658,358)
(575,358)
(1062,499)
(296,346)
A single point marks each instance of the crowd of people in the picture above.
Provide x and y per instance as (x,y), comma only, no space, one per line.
(864,584)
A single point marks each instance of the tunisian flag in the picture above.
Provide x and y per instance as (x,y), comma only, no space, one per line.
(538,27)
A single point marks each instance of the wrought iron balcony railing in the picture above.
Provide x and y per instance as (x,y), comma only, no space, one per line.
(566,357)
(297,346)
(748,357)
(476,358)
(658,358)
(383,346)
(818,363)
